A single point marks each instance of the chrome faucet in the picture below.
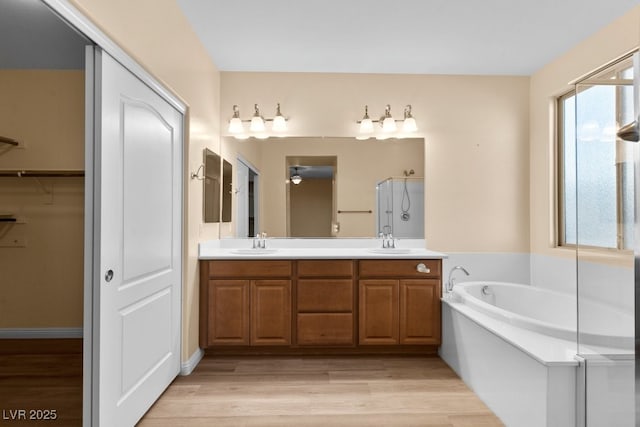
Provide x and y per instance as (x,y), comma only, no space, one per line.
(260,241)
(451,280)
(388,242)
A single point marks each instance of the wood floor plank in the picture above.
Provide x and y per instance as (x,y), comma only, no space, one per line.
(320,391)
(266,391)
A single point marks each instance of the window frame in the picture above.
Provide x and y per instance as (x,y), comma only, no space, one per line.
(611,72)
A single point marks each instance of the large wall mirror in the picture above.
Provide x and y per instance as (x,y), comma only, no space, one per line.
(376,185)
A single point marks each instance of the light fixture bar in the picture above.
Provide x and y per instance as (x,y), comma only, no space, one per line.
(387,123)
(257,123)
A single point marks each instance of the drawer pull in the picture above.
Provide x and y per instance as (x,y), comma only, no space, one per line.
(421,268)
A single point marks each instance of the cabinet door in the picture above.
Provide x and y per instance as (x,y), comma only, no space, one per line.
(420,311)
(228,312)
(270,312)
(378,312)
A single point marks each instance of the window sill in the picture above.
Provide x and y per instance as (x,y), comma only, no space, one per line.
(623,258)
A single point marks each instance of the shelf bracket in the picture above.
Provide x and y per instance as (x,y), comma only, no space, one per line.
(9,141)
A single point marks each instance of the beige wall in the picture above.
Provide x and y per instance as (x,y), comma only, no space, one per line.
(157,35)
(41,256)
(475,128)
(616,39)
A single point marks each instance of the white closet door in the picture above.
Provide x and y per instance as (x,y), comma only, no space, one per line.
(137,244)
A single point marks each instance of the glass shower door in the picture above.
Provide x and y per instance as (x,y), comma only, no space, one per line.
(605,240)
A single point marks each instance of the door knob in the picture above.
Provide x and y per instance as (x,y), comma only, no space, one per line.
(108,276)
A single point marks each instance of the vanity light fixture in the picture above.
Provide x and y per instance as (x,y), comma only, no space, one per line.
(279,121)
(387,123)
(296,178)
(257,124)
(235,124)
(366,124)
(257,121)
(409,123)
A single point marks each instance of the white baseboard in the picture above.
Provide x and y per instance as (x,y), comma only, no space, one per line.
(187,367)
(40,333)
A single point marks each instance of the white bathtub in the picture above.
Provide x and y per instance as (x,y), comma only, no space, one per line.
(551,313)
(516,345)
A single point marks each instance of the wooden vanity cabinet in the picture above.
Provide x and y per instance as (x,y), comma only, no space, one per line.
(245,303)
(399,302)
(325,303)
(320,305)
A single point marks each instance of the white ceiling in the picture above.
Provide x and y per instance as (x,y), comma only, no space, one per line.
(512,37)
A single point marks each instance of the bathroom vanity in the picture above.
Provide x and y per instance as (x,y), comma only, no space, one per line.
(320,300)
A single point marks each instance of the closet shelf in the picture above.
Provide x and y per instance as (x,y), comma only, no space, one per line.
(41,173)
(8,217)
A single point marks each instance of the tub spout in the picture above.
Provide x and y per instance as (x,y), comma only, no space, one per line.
(451,280)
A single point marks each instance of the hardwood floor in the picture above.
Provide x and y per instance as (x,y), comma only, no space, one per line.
(43,380)
(257,391)
(320,391)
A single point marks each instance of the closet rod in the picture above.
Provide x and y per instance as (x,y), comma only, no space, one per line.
(10,141)
(41,173)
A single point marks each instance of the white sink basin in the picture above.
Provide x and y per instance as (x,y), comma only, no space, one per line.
(252,251)
(390,251)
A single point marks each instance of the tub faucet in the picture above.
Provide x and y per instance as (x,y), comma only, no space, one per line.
(451,280)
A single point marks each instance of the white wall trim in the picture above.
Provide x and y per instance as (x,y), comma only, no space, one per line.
(40,333)
(187,367)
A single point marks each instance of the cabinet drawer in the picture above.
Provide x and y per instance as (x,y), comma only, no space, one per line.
(250,269)
(325,295)
(399,268)
(325,329)
(325,268)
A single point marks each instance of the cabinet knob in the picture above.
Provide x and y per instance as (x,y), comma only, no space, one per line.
(421,268)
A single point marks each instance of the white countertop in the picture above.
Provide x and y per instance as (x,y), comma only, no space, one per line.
(280,248)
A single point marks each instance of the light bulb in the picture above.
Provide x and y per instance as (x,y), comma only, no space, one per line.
(279,124)
(366,126)
(409,125)
(389,124)
(235,125)
(257,124)
(296,179)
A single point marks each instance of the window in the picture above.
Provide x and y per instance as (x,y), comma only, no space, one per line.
(595,173)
